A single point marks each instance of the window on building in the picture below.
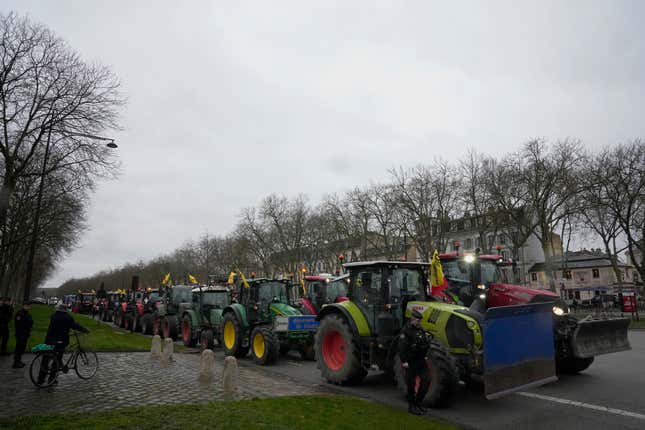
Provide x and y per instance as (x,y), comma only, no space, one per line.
(467,224)
(596,273)
(491,241)
(460,225)
(478,242)
(577,295)
(567,274)
(635,277)
(533,276)
(502,239)
(626,274)
(469,243)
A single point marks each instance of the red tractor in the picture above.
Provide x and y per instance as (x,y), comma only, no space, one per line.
(322,290)
(487,279)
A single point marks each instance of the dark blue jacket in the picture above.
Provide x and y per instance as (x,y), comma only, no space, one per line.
(23,323)
(60,324)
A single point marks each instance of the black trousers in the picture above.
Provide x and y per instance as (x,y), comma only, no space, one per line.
(21,345)
(45,365)
(416,396)
(4,338)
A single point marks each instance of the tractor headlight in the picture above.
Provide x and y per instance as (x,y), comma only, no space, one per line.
(483,297)
(558,311)
(481,286)
(469,258)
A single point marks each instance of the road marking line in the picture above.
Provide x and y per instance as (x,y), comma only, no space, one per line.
(584,405)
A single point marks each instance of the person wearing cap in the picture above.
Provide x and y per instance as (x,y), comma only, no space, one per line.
(414,343)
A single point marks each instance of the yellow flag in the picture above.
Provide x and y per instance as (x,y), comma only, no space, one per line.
(231,278)
(246,284)
(192,279)
(166,279)
(436,272)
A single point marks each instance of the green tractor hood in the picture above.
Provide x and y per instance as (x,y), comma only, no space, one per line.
(282,309)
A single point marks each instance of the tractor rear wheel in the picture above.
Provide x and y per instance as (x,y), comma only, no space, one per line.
(572,365)
(187,332)
(443,372)
(265,346)
(206,339)
(169,327)
(337,351)
(232,335)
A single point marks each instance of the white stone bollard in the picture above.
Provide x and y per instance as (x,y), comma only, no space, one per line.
(206,366)
(155,347)
(168,346)
(229,378)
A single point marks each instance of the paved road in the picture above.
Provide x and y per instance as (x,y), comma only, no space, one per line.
(129,379)
(611,388)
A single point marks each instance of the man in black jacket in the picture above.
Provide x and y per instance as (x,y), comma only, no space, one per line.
(60,324)
(414,343)
(6,312)
(23,324)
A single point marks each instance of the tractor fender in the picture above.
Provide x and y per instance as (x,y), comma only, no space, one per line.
(339,310)
(239,311)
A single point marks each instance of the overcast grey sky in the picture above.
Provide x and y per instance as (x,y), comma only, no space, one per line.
(232,101)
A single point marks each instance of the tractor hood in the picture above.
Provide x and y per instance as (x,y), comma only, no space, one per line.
(283,309)
(509,294)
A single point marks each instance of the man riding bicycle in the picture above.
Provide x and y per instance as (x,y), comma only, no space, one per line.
(60,324)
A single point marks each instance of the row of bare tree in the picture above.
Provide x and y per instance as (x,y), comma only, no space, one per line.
(539,190)
(52,106)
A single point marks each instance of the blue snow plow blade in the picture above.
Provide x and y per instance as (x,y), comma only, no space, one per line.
(519,349)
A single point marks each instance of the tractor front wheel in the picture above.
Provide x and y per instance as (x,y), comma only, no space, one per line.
(265,346)
(187,332)
(337,352)
(233,336)
(443,372)
(206,340)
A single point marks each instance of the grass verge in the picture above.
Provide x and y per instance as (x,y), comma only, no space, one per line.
(302,413)
(102,337)
(638,324)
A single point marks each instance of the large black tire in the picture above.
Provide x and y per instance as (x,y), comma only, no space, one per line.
(188,332)
(265,345)
(170,327)
(146,324)
(444,376)
(233,336)
(337,352)
(572,365)
(206,340)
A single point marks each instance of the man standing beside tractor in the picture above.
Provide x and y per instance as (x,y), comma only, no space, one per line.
(414,344)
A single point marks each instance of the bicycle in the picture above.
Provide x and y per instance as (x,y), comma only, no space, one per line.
(48,362)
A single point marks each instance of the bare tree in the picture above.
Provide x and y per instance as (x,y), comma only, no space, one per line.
(51,102)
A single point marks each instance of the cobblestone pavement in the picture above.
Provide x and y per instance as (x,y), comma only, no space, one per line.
(132,379)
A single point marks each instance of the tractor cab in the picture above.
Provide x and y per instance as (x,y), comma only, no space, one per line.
(267,297)
(321,290)
(213,297)
(382,290)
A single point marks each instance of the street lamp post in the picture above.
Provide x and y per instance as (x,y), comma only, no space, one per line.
(39,199)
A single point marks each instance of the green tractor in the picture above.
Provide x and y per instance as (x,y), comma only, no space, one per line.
(512,347)
(175,300)
(264,321)
(201,323)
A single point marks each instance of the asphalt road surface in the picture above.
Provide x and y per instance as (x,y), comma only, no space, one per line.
(609,395)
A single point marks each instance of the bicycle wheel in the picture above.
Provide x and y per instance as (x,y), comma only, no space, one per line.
(43,369)
(86,364)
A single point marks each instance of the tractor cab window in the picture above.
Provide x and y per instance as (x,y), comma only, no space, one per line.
(314,289)
(367,285)
(181,295)
(405,283)
(336,289)
(273,291)
(217,299)
(154,296)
